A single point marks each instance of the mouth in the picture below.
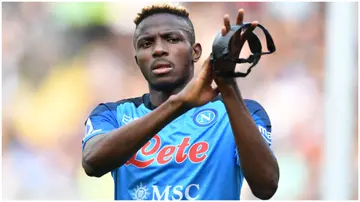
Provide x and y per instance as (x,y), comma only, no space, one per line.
(162,68)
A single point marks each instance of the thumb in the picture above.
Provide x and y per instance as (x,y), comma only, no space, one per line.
(205,71)
(246,33)
(216,91)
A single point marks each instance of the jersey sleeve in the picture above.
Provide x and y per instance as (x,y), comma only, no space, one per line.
(261,120)
(100,121)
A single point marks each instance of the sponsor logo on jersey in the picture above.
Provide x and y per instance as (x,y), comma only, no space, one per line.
(152,152)
(205,117)
(265,134)
(89,127)
(127,119)
(177,192)
(140,192)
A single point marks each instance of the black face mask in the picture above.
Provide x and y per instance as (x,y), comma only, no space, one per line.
(221,46)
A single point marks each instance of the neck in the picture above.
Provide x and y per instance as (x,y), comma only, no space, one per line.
(157,97)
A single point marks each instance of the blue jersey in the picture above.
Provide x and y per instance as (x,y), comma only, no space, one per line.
(193,157)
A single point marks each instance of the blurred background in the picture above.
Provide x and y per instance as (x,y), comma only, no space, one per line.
(60,60)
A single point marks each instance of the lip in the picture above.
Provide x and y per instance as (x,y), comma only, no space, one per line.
(159,65)
(161,68)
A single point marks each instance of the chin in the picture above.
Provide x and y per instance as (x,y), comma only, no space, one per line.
(163,86)
(167,84)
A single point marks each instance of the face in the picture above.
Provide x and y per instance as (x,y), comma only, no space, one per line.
(164,52)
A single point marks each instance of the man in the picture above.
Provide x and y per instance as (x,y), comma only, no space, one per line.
(182,140)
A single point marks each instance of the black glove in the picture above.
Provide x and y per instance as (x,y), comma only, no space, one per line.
(221,46)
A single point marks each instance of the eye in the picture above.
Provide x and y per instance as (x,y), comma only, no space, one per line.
(145,44)
(173,39)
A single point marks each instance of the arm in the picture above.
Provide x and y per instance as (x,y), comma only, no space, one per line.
(105,152)
(258,163)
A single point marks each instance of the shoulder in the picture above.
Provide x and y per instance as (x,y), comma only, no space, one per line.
(252,105)
(256,110)
(112,106)
(108,111)
(258,113)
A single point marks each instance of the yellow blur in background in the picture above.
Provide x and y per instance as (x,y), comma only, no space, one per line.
(60,60)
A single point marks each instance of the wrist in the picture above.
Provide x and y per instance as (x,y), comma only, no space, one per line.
(228,87)
(225,82)
(178,104)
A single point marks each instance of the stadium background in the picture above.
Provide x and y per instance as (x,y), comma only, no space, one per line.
(61,59)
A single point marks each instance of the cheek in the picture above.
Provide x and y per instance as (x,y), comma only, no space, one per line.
(183,55)
(143,58)
(143,61)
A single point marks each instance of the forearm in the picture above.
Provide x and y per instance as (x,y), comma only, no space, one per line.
(112,150)
(258,163)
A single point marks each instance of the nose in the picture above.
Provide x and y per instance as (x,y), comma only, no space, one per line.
(160,50)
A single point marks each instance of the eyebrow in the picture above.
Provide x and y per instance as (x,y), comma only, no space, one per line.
(177,31)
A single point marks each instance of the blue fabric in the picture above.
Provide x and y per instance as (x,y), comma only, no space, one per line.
(191,158)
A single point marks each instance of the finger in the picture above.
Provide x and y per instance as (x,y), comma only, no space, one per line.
(254,24)
(215,91)
(205,69)
(227,23)
(240,17)
(223,31)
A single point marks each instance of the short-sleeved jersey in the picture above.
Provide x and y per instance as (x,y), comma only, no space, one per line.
(193,157)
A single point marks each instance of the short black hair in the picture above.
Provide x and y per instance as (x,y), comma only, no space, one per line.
(166,9)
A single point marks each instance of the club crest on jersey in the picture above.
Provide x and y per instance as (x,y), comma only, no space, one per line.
(205,117)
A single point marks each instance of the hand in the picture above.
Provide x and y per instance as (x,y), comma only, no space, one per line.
(238,41)
(199,90)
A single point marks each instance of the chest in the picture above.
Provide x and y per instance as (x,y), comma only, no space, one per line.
(191,139)
(176,146)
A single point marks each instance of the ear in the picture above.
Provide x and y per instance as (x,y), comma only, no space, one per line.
(196,52)
(136,60)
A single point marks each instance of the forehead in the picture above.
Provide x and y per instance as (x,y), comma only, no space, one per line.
(161,22)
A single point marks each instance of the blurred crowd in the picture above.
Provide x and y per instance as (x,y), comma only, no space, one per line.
(60,60)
